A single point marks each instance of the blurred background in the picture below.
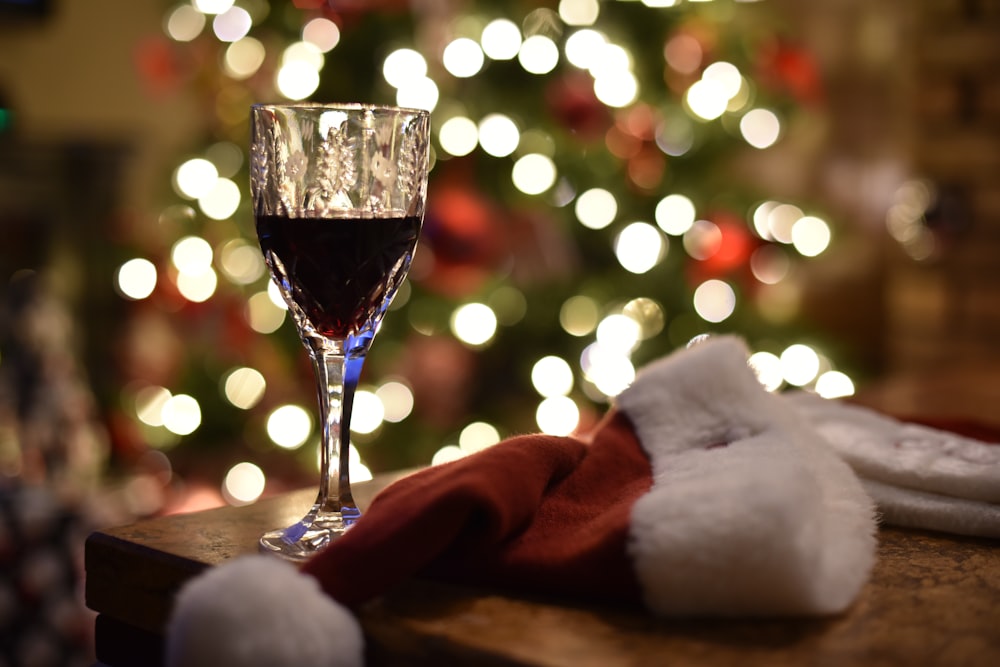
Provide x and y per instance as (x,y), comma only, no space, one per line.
(611,179)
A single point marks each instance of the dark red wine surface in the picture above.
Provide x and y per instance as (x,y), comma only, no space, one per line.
(340,272)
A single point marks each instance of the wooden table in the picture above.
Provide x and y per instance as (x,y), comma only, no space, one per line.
(932,600)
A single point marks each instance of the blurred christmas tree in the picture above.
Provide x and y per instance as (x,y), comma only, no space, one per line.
(583,218)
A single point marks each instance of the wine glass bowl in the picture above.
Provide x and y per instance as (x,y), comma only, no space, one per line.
(338,196)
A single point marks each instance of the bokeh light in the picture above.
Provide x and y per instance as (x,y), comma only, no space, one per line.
(232,25)
(552,376)
(534,173)
(458,135)
(767,366)
(397,401)
(498,135)
(263,315)
(181,414)
(368,413)
(501,39)
(289,426)
(321,33)
(610,370)
(243,387)
(675,214)
(760,128)
(243,484)
(810,236)
(834,384)
(136,279)
(184,23)
(221,201)
(714,300)
(477,436)
(538,54)
(596,208)
(474,324)
(243,58)
(241,262)
(557,415)
(195,177)
(463,57)
(402,66)
(579,315)
(579,12)
(799,364)
(639,247)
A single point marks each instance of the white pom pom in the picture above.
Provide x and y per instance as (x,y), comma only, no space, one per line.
(260,611)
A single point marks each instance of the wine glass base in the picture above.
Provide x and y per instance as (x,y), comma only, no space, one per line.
(310,535)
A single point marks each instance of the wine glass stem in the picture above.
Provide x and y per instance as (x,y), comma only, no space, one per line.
(337,376)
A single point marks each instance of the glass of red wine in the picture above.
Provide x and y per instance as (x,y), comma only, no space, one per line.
(338,197)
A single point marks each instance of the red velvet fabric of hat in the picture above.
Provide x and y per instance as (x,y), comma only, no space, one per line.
(537,513)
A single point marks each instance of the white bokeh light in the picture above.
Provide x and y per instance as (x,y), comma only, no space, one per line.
(534,173)
(584,47)
(639,247)
(834,384)
(618,89)
(368,414)
(498,135)
(619,333)
(675,214)
(402,66)
(458,135)
(706,99)
(184,23)
(463,57)
(297,80)
(477,436)
(610,370)
(212,6)
(810,236)
(136,278)
(767,366)
(579,12)
(474,324)
(195,177)
(191,254)
(243,58)
(243,484)
(197,287)
(501,39)
(557,415)
(552,376)
(244,387)
(596,208)
(289,426)
(181,414)
(322,33)
(714,300)
(538,54)
(799,364)
(149,403)
(760,128)
(222,201)
(232,25)
(419,93)
(397,400)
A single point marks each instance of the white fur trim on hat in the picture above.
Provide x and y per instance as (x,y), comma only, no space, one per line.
(749,512)
(259,611)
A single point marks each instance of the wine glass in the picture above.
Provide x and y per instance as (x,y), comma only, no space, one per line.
(338,197)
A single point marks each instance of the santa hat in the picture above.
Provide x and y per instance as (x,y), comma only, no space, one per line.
(699,494)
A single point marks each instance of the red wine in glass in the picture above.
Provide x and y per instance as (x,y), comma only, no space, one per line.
(340,273)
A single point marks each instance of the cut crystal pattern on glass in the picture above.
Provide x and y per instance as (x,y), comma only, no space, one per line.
(315,168)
